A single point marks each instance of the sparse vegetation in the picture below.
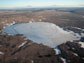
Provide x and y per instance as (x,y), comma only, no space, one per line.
(32,52)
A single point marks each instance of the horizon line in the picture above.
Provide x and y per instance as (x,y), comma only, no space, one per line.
(54,6)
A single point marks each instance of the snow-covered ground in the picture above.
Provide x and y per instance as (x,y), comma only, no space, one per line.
(64,60)
(1,53)
(22,44)
(82,44)
(42,32)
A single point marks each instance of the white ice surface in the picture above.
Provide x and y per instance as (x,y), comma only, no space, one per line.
(42,32)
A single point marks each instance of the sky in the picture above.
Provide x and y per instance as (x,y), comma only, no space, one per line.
(40,3)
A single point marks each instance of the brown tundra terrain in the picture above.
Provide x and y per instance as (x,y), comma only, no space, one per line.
(19,49)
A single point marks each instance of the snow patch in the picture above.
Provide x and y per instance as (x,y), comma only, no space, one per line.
(30,21)
(32,61)
(82,44)
(22,44)
(75,54)
(1,53)
(82,34)
(64,60)
(82,58)
(73,48)
(77,28)
(57,50)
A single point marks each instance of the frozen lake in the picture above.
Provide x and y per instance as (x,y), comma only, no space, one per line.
(42,32)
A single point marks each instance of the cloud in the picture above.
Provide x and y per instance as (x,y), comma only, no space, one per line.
(69,5)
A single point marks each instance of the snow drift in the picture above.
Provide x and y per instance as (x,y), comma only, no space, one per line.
(42,32)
